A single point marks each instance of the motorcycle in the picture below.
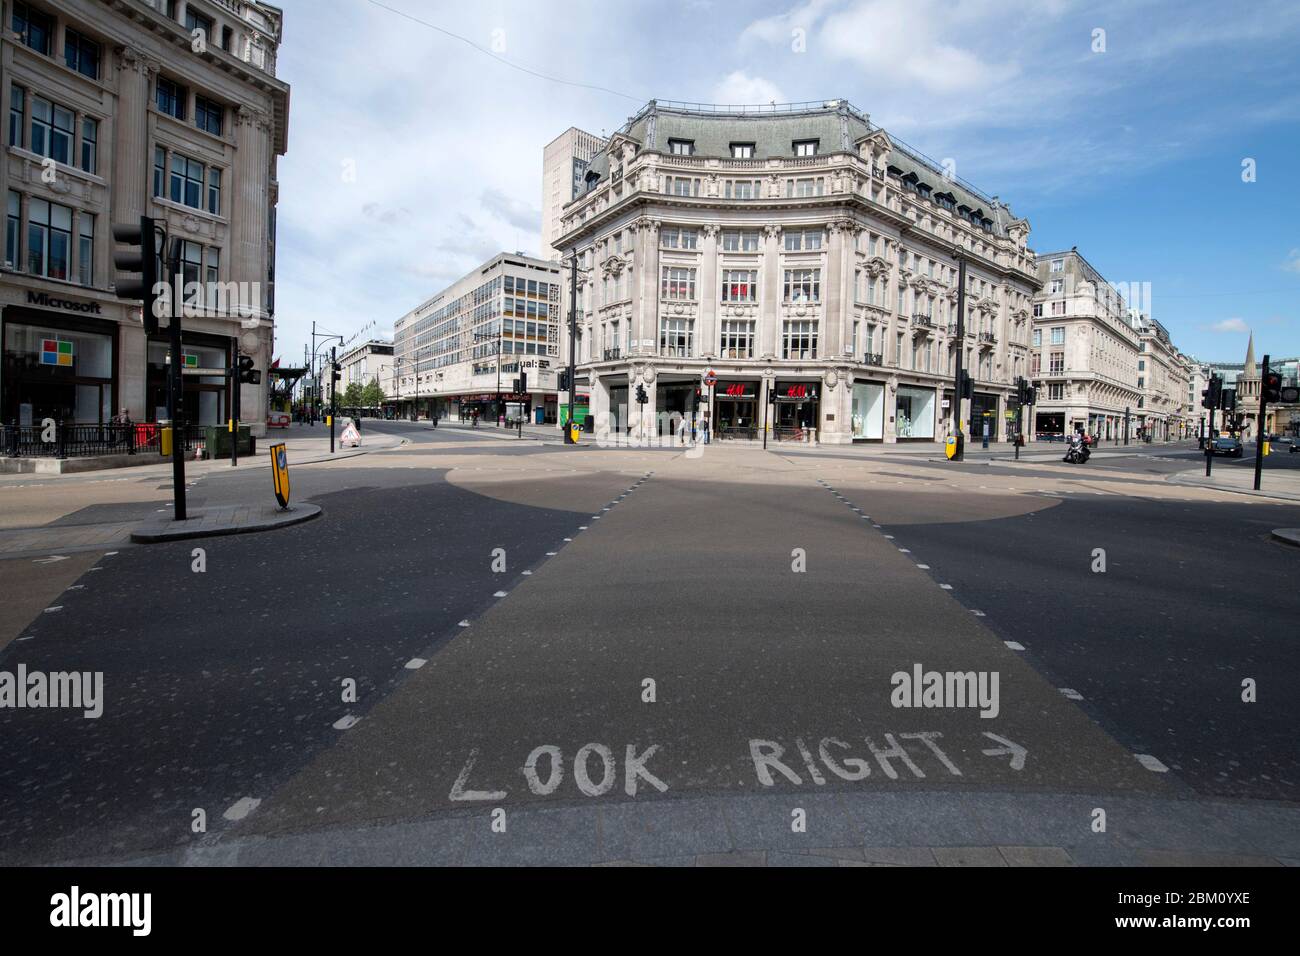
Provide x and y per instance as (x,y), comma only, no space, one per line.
(1077,454)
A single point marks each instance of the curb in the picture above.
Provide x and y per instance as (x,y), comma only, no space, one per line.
(155,532)
(1289,536)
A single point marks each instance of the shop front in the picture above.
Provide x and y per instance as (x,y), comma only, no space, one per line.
(735,408)
(59,367)
(206,397)
(867,419)
(796,407)
(984,416)
(914,413)
(1049,426)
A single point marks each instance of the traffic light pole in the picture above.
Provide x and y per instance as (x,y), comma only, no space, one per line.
(1260,430)
(176,389)
(333,393)
(961,357)
(234,410)
(573,334)
(1209,445)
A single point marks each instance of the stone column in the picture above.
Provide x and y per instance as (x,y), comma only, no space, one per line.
(707,336)
(769,325)
(647,306)
(246,199)
(835,306)
(130,137)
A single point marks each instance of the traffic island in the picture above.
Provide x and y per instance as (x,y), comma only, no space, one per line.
(225,519)
(1289,536)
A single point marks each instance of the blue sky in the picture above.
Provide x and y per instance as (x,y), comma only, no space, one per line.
(413,156)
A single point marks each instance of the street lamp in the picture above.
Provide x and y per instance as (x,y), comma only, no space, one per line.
(573,338)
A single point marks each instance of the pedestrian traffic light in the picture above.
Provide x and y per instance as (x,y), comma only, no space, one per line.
(141,265)
(641,396)
(1272,387)
(562,380)
(247,374)
(967,385)
(521,387)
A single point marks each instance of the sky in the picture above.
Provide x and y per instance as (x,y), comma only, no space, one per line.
(1160,138)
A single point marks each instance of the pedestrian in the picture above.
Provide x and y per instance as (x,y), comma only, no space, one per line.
(681,429)
(704,427)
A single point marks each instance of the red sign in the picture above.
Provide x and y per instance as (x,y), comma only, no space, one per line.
(710,378)
(796,391)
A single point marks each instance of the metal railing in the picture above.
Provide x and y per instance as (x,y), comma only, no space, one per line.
(611,354)
(73,440)
(874,358)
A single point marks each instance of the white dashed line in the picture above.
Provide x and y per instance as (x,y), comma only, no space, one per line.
(525,572)
(1014,645)
(978,613)
(241,808)
(1071,693)
(415,663)
(551,554)
(924,567)
(1151,763)
(946,587)
(346,722)
(463,624)
(500,594)
(57,607)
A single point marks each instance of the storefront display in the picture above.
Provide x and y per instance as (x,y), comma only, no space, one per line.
(868,415)
(57,369)
(797,409)
(736,412)
(914,413)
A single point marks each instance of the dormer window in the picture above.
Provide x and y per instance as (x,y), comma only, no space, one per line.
(742,150)
(805,147)
(681,147)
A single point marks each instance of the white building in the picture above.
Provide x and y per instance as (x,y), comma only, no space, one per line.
(808,260)
(461,350)
(564,169)
(365,364)
(118,109)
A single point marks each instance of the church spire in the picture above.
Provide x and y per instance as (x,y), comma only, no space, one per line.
(1249,370)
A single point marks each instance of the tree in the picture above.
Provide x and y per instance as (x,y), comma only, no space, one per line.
(352,396)
(372,396)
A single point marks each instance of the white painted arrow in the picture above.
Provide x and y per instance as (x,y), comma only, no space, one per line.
(51,559)
(1013,750)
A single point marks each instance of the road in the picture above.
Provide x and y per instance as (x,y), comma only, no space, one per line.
(648,654)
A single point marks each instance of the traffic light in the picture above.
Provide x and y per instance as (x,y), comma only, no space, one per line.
(247,374)
(1228,400)
(1212,397)
(1272,387)
(521,386)
(641,396)
(141,263)
(562,380)
(514,386)
(967,386)
(1023,391)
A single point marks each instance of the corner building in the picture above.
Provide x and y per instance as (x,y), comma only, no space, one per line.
(809,261)
(116,110)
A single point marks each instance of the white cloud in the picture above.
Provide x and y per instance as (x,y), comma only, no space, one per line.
(1230,325)
(1292,263)
(739,88)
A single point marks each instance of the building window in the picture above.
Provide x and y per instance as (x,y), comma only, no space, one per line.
(35,27)
(1055,391)
(17,98)
(803,240)
(1058,265)
(86,249)
(214,191)
(1057,287)
(197,21)
(679,238)
(159,170)
(49,239)
(737,339)
(52,130)
(1058,308)
(683,186)
(213,271)
(227,37)
(681,147)
(803,285)
(81,54)
(1038,310)
(208,115)
(186,181)
(739,285)
(805,147)
(676,337)
(191,261)
(740,242)
(741,189)
(799,339)
(1056,363)
(742,150)
(678,283)
(803,188)
(170,97)
(13,222)
(1038,337)
(1058,335)
(89,141)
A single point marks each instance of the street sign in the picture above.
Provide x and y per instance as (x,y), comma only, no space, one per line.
(280,473)
(350,435)
(710,378)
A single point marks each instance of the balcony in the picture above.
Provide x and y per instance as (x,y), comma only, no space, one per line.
(922,322)
(873,358)
(988,338)
(612,354)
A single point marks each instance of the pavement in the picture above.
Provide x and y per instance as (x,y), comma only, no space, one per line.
(521,652)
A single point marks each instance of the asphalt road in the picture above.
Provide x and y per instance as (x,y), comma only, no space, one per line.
(664,628)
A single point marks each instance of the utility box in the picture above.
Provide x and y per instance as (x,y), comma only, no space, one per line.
(216,442)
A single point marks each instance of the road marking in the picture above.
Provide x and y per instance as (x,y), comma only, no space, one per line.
(1151,763)
(924,567)
(582,527)
(568,539)
(500,594)
(57,607)
(551,554)
(1014,750)
(415,663)
(946,587)
(463,624)
(51,559)
(978,613)
(1071,693)
(346,722)
(109,554)
(525,572)
(74,587)
(904,551)
(889,537)
(1014,645)
(241,808)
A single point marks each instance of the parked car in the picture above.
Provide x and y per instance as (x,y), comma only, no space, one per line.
(1226,446)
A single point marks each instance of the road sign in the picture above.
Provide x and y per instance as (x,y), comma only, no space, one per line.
(710,378)
(351,435)
(280,472)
